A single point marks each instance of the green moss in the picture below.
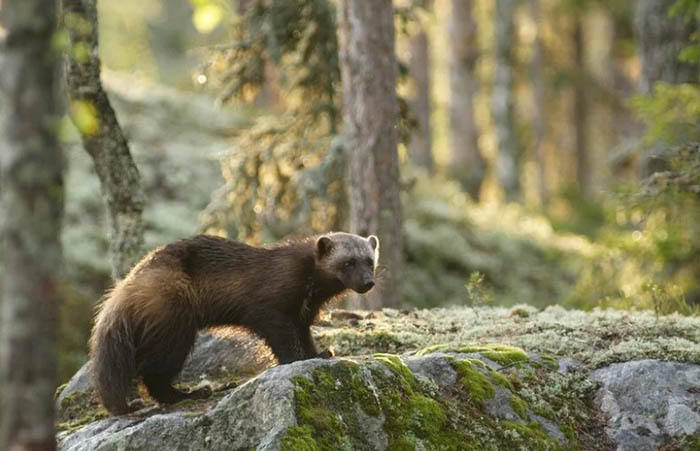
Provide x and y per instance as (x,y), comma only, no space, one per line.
(327,408)
(519,406)
(499,353)
(299,438)
(500,379)
(569,432)
(434,348)
(533,434)
(476,383)
(383,341)
(59,389)
(428,416)
(327,404)
(395,364)
(79,409)
(405,443)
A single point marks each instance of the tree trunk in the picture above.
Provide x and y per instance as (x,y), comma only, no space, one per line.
(466,162)
(102,137)
(661,39)
(583,163)
(503,102)
(370,118)
(419,149)
(539,125)
(31,164)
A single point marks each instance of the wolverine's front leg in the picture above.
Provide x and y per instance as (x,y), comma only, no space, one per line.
(309,346)
(284,341)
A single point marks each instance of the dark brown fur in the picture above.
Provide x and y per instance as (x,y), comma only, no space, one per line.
(146,325)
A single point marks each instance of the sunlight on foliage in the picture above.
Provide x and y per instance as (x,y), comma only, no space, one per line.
(85,116)
(671,113)
(206,15)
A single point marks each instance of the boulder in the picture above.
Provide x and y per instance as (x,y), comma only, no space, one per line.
(453,378)
(649,403)
(443,400)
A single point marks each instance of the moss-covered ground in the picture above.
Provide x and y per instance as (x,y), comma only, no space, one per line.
(594,339)
(355,404)
(497,354)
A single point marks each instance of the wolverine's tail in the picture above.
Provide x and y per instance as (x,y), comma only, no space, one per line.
(113,358)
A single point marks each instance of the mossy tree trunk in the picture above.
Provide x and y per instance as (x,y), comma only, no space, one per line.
(31,164)
(466,162)
(661,39)
(102,136)
(370,121)
(503,100)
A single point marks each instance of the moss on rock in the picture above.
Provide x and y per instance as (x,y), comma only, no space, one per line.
(477,384)
(78,409)
(499,353)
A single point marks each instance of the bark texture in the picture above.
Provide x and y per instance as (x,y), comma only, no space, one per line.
(102,137)
(584,176)
(419,149)
(539,125)
(370,118)
(467,164)
(503,101)
(31,165)
(661,38)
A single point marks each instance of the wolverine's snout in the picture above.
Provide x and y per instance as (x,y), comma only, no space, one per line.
(367,286)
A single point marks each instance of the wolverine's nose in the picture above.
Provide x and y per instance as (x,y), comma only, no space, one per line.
(367,286)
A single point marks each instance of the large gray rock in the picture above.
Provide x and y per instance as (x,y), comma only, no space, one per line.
(222,354)
(649,403)
(436,401)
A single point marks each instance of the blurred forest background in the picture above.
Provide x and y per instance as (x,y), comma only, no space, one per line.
(548,149)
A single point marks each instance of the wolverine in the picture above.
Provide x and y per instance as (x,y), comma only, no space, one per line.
(146,325)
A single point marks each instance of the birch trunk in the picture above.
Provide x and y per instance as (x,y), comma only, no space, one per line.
(31,173)
(102,137)
(370,121)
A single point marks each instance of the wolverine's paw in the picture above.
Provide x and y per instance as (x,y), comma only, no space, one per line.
(136,404)
(326,354)
(200,393)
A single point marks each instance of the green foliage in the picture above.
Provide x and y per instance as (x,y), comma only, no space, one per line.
(286,173)
(476,293)
(690,10)
(506,255)
(671,113)
(281,177)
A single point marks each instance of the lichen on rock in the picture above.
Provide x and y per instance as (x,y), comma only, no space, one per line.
(432,379)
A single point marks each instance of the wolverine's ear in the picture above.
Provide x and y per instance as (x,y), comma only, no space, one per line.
(373,241)
(323,246)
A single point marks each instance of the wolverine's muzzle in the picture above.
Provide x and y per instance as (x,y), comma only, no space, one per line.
(368,286)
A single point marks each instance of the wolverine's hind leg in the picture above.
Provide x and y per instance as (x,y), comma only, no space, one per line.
(163,392)
(160,368)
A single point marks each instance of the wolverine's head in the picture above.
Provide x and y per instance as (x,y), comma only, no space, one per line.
(350,258)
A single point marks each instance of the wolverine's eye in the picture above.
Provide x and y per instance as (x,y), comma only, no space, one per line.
(349,264)
(370,262)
